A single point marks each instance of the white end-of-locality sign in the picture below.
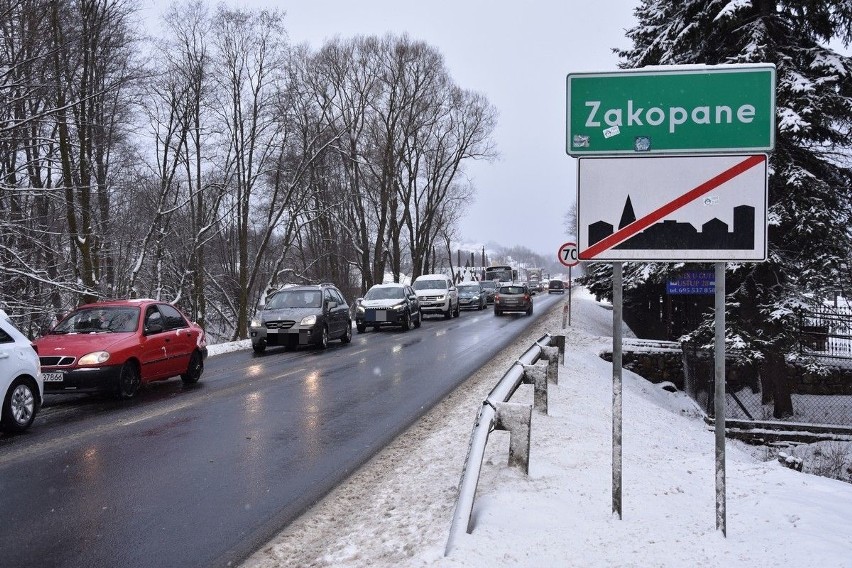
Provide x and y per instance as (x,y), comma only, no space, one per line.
(674,208)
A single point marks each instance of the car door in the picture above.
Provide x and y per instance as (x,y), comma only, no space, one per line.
(153,353)
(413,301)
(180,340)
(342,311)
(453,292)
(7,360)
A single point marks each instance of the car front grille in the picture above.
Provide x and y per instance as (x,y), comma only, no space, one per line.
(286,324)
(64,361)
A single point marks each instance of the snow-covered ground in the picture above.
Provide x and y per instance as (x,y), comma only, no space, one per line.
(396,510)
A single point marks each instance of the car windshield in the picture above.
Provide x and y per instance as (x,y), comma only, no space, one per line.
(295,299)
(430,285)
(100,320)
(385,293)
(469,288)
(512,290)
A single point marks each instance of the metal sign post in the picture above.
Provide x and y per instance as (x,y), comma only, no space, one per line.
(616,387)
(570,293)
(719,402)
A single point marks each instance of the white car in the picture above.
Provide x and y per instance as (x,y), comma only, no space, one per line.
(21,384)
(437,295)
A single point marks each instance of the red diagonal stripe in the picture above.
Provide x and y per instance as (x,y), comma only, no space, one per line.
(641,224)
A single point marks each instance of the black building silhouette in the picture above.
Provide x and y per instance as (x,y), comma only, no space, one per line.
(674,235)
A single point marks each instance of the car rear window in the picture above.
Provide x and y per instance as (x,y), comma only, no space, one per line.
(512,290)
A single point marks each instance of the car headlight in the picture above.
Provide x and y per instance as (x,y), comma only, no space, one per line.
(308,320)
(398,307)
(441,298)
(360,309)
(476,298)
(255,322)
(95,358)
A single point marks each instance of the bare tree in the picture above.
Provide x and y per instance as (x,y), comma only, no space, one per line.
(249,56)
(91,48)
(460,131)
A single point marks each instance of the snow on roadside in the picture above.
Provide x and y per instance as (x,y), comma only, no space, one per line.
(396,510)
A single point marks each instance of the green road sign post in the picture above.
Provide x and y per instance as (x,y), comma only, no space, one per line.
(685,109)
(701,116)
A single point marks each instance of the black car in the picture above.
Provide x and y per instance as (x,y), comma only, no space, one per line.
(556,287)
(302,315)
(388,304)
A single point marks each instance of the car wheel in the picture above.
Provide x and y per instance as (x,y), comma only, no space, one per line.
(360,327)
(497,312)
(259,347)
(323,344)
(457,312)
(449,313)
(128,380)
(19,406)
(347,335)
(418,321)
(406,321)
(194,369)
(529,311)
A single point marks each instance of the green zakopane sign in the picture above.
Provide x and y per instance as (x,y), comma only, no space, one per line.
(681,109)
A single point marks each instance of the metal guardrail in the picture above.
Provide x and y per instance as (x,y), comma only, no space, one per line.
(485,422)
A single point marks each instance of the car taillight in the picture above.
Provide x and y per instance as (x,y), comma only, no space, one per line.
(526,297)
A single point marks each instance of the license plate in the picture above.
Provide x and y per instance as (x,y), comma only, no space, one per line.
(52,377)
(381,315)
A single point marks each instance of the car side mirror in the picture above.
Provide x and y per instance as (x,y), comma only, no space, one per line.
(330,304)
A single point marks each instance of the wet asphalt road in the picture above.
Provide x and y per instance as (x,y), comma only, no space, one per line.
(204,475)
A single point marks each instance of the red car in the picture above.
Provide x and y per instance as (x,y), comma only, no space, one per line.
(117,346)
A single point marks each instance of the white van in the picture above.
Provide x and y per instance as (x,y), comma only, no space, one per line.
(437,295)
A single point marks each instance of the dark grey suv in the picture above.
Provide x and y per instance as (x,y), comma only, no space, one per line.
(513,298)
(302,315)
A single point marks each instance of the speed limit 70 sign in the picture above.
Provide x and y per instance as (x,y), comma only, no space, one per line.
(568,255)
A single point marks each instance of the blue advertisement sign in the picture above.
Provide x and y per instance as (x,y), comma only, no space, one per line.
(693,283)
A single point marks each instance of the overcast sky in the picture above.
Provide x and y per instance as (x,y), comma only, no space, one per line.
(517,54)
